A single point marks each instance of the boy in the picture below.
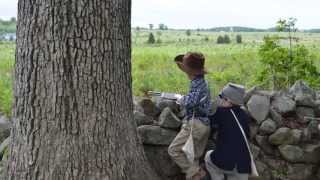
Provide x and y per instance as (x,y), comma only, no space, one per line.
(197,103)
(231,156)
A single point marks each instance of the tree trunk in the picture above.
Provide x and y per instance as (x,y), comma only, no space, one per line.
(73,104)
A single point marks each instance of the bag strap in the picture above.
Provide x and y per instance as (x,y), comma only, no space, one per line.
(191,123)
(243,133)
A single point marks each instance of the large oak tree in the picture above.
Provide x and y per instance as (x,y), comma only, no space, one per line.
(72,93)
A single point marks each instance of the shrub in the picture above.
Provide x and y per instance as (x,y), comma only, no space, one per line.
(239,39)
(226,39)
(220,40)
(151,39)
(282,66)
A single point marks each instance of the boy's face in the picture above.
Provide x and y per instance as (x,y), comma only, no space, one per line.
(225,102)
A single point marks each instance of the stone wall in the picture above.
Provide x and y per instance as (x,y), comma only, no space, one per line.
(285,139)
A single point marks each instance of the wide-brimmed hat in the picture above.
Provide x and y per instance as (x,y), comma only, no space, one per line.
(191,62)
(234,92)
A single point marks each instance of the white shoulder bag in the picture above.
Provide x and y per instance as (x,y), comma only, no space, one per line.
(188,147)
(254,171)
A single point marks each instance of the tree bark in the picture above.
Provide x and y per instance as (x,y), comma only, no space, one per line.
(73,104)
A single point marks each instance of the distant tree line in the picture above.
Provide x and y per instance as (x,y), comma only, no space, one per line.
(8,26)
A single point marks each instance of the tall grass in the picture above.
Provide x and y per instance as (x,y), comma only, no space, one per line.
(6,76)
(153,67)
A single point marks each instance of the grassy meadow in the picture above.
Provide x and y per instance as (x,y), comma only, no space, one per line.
(153,67)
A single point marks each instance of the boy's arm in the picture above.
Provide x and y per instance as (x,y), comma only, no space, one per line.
(190,100)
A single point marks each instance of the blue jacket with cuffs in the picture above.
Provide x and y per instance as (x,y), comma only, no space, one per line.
(231,150)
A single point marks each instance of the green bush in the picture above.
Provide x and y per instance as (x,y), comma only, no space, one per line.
(282,66)
(226,39)
(239,39)
(220,40)
(151,39)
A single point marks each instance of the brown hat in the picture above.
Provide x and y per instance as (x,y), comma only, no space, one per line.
(191,62)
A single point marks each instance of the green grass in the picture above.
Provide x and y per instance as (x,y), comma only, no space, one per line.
(153,67)
(6,67)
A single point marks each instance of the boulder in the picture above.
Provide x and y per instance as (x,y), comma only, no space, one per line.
(249,93)
(306,135)
(305,114)
(161,104)
(265,145)
(253,130)
(276,117)
(263,170)
(168,119)
(303,94)
(149,107)
(155,135)
(268,127)
(5,126)
(311,153)
(142,119)
(285,136)
(258,107)
(291,153)
(283,104)
(255,150)
(136,106)
(161,162)
(4,145)
(300,172)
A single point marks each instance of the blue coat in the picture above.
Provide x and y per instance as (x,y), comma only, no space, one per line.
(231,149)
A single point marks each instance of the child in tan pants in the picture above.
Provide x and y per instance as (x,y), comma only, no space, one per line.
(198,105)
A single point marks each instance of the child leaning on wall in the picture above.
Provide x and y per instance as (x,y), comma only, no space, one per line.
(231,156)
(197,103)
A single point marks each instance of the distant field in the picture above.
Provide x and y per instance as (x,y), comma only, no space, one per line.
(154,69)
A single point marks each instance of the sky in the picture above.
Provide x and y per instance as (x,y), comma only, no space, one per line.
(185,14)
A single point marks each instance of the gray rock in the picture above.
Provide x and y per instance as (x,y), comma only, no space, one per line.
(164,103)
(161,162)
(5,126)
(306,135)
(302,93)
(249,93)
(311,153)
(265,145)
(168,119)
(305,100)
(142,119)
(285,136)
(155,135)
(4,145)
(258,107)
(276,117)
(148,106)
(276,164)
(291,153)
(253,130)
(283,104)
(266,93)
(263,170)
(255,150)
(136,105)
(305,114)
(299,172)
(268,127)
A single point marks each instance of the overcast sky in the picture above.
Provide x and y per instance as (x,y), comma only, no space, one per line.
(212,13)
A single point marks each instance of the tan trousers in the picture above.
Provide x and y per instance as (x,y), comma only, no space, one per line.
(200,133)
(218,174)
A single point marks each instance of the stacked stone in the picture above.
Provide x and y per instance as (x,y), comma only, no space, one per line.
(284,137)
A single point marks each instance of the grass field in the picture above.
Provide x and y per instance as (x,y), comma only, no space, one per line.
(154,69)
